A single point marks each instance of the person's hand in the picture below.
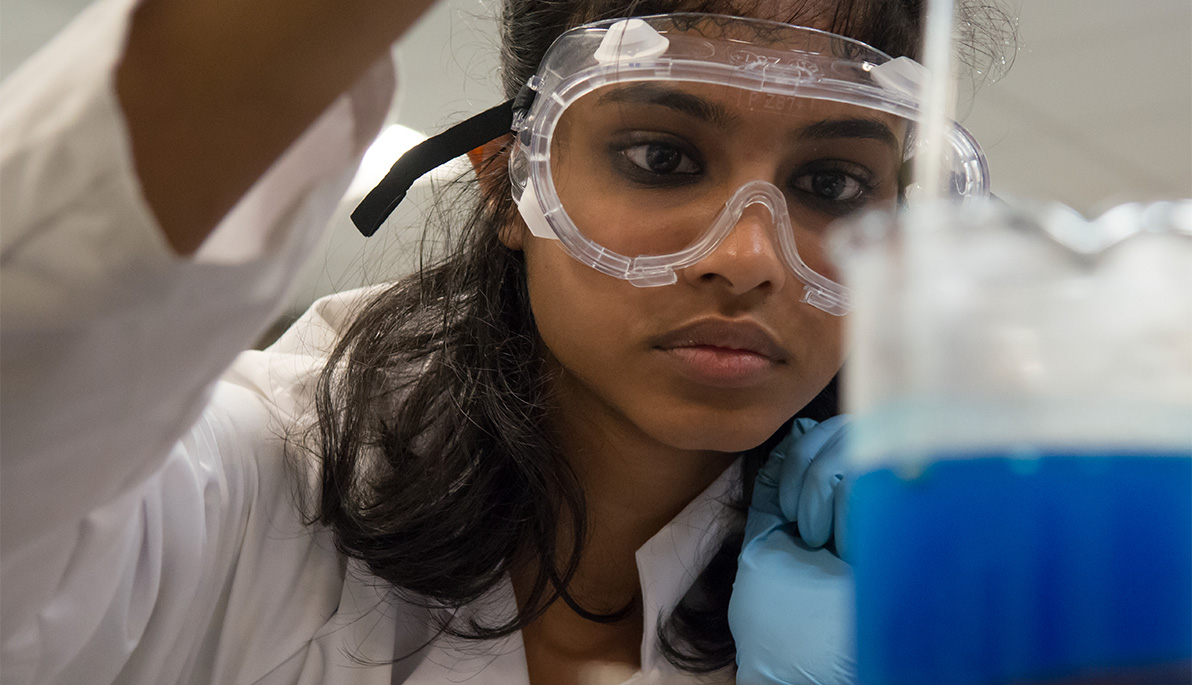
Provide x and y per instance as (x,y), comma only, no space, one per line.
(803,482)
(214,92)
(791,608)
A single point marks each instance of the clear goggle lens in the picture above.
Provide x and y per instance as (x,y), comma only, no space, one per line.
(651,168)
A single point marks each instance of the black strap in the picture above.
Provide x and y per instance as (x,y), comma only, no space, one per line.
(426,156)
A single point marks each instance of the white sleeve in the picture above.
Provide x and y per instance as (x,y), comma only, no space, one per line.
(109,344)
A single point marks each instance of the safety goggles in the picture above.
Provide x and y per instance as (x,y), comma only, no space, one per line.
(641,144)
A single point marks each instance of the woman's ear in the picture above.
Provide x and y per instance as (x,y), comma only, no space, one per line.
(491,164)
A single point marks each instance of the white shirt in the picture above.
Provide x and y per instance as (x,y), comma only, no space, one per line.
(148,527)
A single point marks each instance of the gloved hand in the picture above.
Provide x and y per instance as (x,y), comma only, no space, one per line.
(792,603)
(804,482)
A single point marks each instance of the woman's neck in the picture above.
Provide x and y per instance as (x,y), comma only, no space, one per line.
(632,489)
(633,486)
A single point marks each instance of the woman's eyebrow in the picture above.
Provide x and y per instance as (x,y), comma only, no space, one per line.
(700,108)
(686,103)
(829,129)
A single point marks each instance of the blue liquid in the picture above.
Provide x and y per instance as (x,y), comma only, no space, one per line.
(991,569)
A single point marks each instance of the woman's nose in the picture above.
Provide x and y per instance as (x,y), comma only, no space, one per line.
(748,258)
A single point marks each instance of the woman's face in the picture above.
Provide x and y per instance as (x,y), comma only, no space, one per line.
(720,359)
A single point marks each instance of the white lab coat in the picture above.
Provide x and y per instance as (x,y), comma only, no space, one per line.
(149,529)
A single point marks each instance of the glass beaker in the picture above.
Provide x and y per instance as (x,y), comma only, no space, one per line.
(1022,385)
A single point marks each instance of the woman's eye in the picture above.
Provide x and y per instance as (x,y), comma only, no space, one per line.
(660,158)
(836,186)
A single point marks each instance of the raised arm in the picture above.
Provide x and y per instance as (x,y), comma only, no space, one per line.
(127,145)
(147,126)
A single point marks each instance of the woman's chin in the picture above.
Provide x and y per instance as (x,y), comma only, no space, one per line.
(727,436)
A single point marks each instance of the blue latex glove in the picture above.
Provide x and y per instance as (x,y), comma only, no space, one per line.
(791,608)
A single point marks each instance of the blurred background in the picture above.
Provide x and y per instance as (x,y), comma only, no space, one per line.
(1093,108)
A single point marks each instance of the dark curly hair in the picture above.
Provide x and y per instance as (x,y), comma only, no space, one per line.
(437,471)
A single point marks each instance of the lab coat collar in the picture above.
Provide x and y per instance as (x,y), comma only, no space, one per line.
(668,564)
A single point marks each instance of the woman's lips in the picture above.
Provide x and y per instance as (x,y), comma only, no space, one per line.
(722,353)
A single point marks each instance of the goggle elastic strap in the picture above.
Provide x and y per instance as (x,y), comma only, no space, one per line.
(427,156)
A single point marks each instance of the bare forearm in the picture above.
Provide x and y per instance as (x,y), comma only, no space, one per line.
(215,90)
